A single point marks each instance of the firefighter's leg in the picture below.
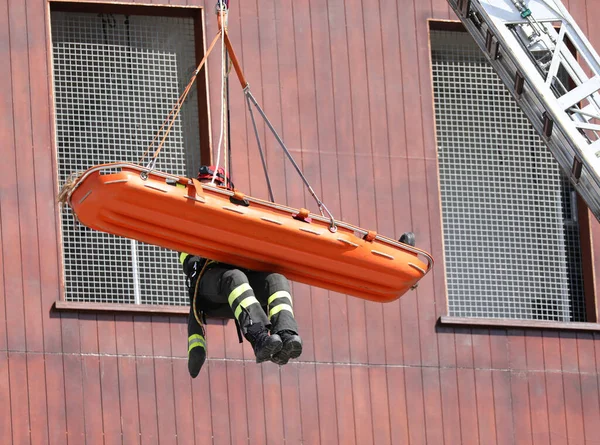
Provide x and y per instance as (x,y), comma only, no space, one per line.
(196,345)
(249,314)
(275,289)
(196,338)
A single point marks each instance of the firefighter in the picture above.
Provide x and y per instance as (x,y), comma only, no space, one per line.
(260,303)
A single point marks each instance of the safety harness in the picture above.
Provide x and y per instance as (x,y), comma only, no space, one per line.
(201,317)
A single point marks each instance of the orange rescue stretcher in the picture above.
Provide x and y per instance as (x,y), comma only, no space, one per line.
(185,215)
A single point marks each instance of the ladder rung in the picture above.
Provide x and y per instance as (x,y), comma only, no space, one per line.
(586,126)
(576,95)
(595,147)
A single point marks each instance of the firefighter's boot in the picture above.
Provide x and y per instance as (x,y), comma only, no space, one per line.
(264,345)
(292,347)
(196,346)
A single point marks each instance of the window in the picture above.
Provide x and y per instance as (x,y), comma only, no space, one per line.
(511,230)
(116,77)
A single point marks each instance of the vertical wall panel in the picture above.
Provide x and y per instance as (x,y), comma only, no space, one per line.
(3,318)
(363,160)
(482,356)
(74,398)
(129,400)
(165,401)
(5,394)
(439,9)
(467,397)
(516,349)
(552,359)
(433,405)
(521,407)
(38,407)
(57,422)
(88,333)
(45,172)
(238,405)
(92,400)
(556,407)
(344,404)
(25,184)
(184,408)
(17,371)
(13,289)
(255,404)
(146,392)
(503,406)
(273,404)
(573,407)
(486,413)
(124,334)
(219,402)
(326,404)
(419,184)
(590,406)
(464,348)
(70,333)
(415,405)
(534,349)
(450,405)
(397,405)
(342,133)
(585,352)
(568,352)
(6,133)
(539,408)
(309,403)
(251,55)
(290,399)
(202,406)
(111,406)
(362,397)
(307,158)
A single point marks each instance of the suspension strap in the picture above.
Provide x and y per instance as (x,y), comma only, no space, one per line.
(262,156)
(322,207)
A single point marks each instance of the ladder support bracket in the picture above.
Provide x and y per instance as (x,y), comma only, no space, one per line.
(576,169)
(492,45)
(465,7)
(548,125)
(519,84)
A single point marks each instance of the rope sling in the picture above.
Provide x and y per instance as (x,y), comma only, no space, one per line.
(227,49)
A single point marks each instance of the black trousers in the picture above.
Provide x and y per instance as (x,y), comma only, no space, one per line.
(248,296)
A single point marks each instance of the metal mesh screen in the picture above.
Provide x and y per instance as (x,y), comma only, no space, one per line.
(511,234)
(116,77)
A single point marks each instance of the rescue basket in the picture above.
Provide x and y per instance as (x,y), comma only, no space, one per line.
(185,215)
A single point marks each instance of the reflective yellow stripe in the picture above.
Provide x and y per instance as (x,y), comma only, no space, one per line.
(237,292)
(244,303)
(195,341)
(279,308)
(279,294)
(183,256)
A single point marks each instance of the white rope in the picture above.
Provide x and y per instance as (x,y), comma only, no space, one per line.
(223,26)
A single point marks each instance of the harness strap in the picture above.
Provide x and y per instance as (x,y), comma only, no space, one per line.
(196,315)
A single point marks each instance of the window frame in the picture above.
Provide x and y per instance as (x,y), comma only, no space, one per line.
(204,128)
(585,232)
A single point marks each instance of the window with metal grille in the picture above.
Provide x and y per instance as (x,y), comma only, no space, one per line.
(511,234)
(116,78)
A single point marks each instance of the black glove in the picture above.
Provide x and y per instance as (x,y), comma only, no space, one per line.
(191,266)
